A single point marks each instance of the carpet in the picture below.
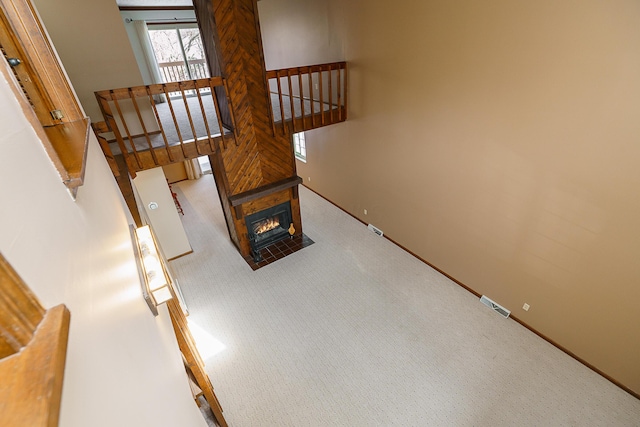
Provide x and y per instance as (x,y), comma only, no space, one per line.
(354,331)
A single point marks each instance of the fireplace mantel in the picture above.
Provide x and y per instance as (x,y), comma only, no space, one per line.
(237,200)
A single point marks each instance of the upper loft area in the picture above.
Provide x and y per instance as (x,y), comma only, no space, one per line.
(159,124)
(184,109)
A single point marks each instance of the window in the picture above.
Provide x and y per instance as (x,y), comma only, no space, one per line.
(299,147)
(179,52)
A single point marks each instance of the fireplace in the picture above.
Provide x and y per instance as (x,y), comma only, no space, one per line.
(268,226)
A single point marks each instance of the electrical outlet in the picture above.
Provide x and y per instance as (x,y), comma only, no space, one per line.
(308,178)
(365,211)
(316,86)
(526,307)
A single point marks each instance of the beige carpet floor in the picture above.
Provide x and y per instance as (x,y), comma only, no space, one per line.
(353,331)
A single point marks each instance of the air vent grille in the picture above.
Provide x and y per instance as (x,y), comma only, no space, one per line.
(375,230)
(495,306)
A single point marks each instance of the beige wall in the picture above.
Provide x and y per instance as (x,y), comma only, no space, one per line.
(93,45)
(499,141)
(123,364)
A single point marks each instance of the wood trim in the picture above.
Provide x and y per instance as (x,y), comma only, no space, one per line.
(192,358)
(20,311)
(70,140)
(32,40)
(146,8)
(33,348)
(45,83)
(32,379)
(522,323)
(181,255)
(265,190)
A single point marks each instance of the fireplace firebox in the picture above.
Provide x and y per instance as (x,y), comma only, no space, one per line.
(268,226)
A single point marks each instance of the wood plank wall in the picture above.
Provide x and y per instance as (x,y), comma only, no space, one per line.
(204,14)
(259,157)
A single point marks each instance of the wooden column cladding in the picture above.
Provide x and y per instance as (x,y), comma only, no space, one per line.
(260,158)
(206,24)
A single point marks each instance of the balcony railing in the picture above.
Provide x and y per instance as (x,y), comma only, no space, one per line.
(151,126)
(177,71)
(160,124)
(305,98)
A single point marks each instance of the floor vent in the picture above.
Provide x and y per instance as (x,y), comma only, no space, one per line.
(375,230)
(495,307)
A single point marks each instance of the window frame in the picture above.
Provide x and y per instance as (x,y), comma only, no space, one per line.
(299,146)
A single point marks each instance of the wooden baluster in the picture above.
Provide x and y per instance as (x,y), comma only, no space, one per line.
(155,112)
(301,97)
(144,128)
(205,119)
(291,103)
(188,110)
(98,129)
(126,130)
(103,98)
(321,96)
(339,77)
(282,118)
(312,98)
(175,120)
(330,94)
(273,119)
(346,90)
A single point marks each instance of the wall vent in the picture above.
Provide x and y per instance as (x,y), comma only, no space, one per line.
(375,230)
(495,307)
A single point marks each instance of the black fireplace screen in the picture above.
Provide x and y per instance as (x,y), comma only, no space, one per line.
(268,226)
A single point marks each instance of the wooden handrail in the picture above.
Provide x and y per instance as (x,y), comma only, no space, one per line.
(33,349)
(31,387)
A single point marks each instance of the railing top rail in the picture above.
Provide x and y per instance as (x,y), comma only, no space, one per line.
(306,69)
(176,63)
(158,89)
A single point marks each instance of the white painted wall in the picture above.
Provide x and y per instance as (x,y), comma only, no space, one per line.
(151,186)
(123,364)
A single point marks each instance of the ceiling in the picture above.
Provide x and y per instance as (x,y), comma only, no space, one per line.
(154,3)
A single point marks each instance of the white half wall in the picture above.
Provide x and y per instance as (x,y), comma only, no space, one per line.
(151,187)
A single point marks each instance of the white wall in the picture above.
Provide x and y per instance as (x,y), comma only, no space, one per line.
(123,364)
(92,43)
(151,186)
